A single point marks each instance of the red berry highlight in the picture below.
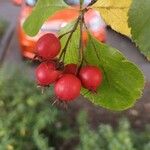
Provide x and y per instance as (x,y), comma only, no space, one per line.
(68,87)
(50,65)
(91,77)
(71,69)
(48,46)
(46,74)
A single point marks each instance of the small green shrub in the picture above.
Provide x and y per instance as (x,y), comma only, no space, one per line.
(27,119)
(107,138)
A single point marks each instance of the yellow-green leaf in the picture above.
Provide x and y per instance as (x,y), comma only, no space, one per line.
(115,14)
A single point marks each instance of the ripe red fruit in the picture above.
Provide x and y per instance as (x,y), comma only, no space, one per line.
(48,46)
(91,77)
(46,74)
(68,87)
(50,65)
(71,69)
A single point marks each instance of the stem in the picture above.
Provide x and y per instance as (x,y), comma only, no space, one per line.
(63,53)
(81,47)
(61,36)
(92,2)
(80,20)
(92,42)
(81,41)
(98,57)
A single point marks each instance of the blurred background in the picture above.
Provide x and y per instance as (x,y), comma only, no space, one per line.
(29,121)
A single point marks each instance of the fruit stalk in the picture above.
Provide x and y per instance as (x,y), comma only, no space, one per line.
(63,53)
(92,2)
(81,41)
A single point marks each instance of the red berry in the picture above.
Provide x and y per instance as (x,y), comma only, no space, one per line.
(68,87)
(46,74)
(50,65)
(91,77)
(48,46)
(71,69)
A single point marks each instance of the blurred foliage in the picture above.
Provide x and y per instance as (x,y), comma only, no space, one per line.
(107,138)
(29,121)
(3,25)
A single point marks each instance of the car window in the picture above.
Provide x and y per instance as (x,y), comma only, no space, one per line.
(31,2)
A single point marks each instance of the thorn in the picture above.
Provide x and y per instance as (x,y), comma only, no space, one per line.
(65,104)
(86,92)
(38,86)
(54,102)
(35,57)
(53,97)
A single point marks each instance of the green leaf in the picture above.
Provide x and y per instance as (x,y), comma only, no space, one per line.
(41,12)
(123,82)
(72,50)
(139,21)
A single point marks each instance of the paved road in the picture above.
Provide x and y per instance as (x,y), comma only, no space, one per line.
(8,11)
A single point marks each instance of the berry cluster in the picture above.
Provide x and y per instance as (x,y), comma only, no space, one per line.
(67,79)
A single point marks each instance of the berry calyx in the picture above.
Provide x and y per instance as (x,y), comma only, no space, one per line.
(48,46)
(46,74)
(71,69)
(67,88)
(91,77)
